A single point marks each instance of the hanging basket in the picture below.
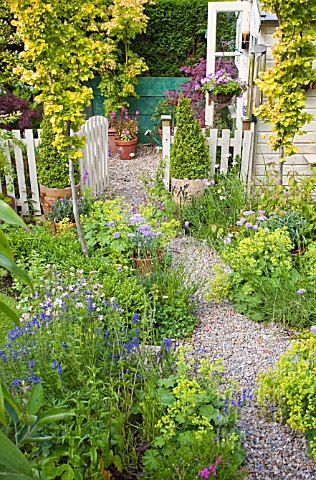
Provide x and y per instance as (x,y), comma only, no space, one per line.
(220,100)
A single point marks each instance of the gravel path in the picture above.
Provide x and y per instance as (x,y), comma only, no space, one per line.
(274,450)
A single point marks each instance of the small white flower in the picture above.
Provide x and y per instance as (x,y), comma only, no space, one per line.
(227,155)
(216,165)
(132,154)
(234,163)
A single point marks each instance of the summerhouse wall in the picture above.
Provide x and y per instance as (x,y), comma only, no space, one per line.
(263,154)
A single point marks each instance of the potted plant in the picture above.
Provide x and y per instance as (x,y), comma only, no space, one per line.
(189,158)
(145,245)
(126,129)
(165,106)
(61,211)
(52,169)
(221,87)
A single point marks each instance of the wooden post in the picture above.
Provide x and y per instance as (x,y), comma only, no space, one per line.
(166,140)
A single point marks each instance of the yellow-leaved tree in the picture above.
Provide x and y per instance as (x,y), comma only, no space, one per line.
(62,40)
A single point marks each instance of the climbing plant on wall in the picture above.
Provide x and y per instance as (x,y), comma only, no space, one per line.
(285,83)
(62,42)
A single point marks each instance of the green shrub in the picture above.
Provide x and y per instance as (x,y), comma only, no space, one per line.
(51,163)
(189,156)
(122,285)
(258,262)
(197,424)
(210,216)
(171,290)
(291,386)
(295,223)
(175,27)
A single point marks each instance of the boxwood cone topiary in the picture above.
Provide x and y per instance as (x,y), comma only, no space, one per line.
(189,156)
(52,164)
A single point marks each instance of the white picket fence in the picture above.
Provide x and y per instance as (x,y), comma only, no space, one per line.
(241,144)
(94,161)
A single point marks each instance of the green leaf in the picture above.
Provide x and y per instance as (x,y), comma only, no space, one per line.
(5,246)
(12,461)
(35,440)
(150,460)
(54,415)
(35,400)
(29,420)
(9,404)
(8,264)
(66,472)
(11,314)
(2,410)
(118,463)
(207,411)
(8,215)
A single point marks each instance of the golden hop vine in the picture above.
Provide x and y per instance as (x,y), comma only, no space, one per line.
(292,72)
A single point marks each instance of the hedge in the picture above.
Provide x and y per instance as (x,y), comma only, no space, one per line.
(176,35)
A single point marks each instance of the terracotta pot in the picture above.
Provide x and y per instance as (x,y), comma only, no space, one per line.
(49,196)
(183,190)
(160,132)
(127,148)
(12,203)
(111,140)
(147,265)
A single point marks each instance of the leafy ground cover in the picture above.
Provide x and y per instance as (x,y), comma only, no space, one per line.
(99,350)
(99,387)
(266,239)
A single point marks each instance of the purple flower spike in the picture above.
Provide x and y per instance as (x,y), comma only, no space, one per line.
(313,329)
(116,234)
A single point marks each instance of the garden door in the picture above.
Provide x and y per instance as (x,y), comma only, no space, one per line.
(228,42)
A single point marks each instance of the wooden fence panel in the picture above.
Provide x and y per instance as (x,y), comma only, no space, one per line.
(241,144)
(225,151)
(94,161)
(19,162)
(95,158)
(30,149)
(212,142)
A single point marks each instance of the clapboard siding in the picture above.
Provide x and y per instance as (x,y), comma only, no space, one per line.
(305,159)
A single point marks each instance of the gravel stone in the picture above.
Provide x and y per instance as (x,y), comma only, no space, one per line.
(274,450)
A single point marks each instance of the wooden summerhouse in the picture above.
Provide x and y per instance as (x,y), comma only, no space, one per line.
(251,51)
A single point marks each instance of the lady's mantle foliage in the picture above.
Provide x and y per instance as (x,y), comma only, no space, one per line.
(291,387)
